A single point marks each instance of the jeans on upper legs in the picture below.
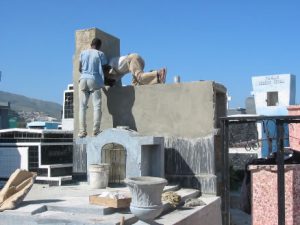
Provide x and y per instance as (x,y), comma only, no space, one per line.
(89,87)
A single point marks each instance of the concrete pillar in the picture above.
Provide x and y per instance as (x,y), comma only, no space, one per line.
(111,48)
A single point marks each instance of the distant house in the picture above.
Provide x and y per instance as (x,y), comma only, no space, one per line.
(273,94)
(49,153)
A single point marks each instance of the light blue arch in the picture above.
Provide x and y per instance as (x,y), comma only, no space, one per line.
(145,154)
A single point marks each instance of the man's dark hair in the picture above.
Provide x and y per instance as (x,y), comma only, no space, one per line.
(96,42)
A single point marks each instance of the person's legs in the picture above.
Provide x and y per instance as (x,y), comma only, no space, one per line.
(154,77)
(148,78)
(83,101)
(136,67)
(96,97)
(97,111)
(136,64)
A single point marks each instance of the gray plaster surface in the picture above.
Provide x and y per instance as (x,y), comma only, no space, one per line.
(161,109)
(191,162)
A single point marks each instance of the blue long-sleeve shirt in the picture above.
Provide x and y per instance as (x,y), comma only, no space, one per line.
(91,65)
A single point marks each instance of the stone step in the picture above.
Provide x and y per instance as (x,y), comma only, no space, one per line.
(209,214)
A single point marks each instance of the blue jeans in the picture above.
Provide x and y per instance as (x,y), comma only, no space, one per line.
(89,87)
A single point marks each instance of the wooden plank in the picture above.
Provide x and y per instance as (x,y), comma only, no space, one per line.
(110,202)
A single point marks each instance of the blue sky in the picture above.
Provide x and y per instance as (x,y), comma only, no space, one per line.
(225,41)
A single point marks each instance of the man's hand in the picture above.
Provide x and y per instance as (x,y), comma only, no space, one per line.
(106,68)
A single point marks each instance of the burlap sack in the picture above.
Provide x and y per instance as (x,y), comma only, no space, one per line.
(15,189)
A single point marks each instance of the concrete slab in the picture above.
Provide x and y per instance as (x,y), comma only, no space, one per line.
(70,205)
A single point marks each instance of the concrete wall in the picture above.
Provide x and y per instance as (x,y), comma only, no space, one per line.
(186,110)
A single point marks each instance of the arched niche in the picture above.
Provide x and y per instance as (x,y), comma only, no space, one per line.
(115,155)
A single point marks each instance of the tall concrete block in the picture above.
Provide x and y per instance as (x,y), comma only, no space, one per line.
(110,47)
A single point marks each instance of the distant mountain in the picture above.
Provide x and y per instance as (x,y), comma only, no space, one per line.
(20,103)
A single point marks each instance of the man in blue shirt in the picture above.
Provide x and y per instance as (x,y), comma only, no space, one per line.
(90,83)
